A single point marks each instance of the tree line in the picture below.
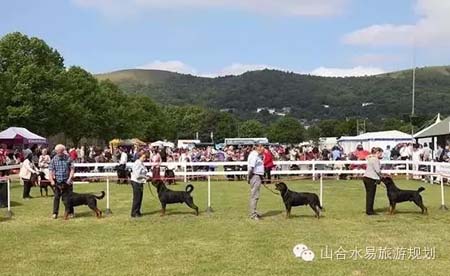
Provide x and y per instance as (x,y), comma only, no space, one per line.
(38,92)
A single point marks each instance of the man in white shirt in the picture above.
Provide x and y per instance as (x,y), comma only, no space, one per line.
(138,179)
(255,175)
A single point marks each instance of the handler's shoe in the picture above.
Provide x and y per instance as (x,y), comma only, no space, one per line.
(256,217)
(54,216)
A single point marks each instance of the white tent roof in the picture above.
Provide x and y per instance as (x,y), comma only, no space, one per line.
(379,136)
(13,133)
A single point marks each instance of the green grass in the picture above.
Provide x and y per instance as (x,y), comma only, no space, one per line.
(224,242)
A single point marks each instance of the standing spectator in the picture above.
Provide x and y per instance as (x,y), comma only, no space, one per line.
(121,169)
(138,179)
(73,154)
(2,156)
(372,177)
(255,175)
(61,172)
(25,174)
(426,153)
(268,165)
(156,163)
(336,153)
(44,162)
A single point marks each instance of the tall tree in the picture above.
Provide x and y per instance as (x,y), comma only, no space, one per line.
(30,71)
(286,130)
(251,129)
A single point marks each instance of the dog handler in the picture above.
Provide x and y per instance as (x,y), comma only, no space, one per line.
(61,172)
(255,175)
(372,177)
(138,179)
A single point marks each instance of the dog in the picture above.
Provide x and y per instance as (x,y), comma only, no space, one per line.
(167,196)
(169,175)
(43,184)
(292,199)
(396,195)
(71,199)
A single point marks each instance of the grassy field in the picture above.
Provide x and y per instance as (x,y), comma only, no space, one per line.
(224,242)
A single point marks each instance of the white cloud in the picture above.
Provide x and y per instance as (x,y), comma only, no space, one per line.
(171,65)
(236,69)
(432,29)
(357,71)
(283,7)
(239,68)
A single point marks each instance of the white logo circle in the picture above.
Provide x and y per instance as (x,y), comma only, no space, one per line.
(298,250)
(308,255)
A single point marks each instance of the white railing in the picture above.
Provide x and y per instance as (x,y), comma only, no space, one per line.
(434,170)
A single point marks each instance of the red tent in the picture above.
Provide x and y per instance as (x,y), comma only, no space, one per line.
(20,136)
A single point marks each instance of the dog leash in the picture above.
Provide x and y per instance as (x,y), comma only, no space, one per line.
(148,185)
(270,189)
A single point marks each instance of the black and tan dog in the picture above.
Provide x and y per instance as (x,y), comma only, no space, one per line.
(292,199)
(71,199)
(42,182)
(396,195)
(167,196)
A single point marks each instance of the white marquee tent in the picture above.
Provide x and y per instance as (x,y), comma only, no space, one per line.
(380,139)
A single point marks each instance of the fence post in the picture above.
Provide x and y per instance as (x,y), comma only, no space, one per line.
(443,207)
(185,171)
(432,171)
(321,190)
(9,213)
(407,169)
(108,210)
(313,169)
(208,208)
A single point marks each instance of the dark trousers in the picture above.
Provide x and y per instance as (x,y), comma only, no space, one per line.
(57,197)
(371,188)
(122,174)
(267,176)
(26,188)
(138,192)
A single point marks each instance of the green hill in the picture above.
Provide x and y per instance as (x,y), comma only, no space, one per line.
(141,76)
(304,96)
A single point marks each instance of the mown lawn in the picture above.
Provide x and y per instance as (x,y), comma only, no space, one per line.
(224,242)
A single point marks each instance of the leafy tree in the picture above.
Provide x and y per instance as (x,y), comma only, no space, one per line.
(251,129)
(286,130)
(30,71)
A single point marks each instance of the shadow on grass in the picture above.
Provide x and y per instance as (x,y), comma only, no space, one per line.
(169,213)
(15,204)
(272,213)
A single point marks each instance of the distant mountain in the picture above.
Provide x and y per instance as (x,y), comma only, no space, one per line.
(304,96)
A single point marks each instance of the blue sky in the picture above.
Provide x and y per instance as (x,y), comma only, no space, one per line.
(219,37)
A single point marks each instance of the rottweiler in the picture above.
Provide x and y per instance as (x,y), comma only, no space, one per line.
(71,199)
(292,199)
(397,195)
(167,196)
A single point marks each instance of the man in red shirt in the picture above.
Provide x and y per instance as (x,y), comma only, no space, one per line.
(268,164)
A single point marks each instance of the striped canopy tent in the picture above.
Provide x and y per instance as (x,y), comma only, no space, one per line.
(20,136)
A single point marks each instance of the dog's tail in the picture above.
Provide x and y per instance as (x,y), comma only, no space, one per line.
(100,197)
(421,189)
(189,188)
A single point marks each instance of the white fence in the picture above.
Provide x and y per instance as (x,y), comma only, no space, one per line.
(435,171)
